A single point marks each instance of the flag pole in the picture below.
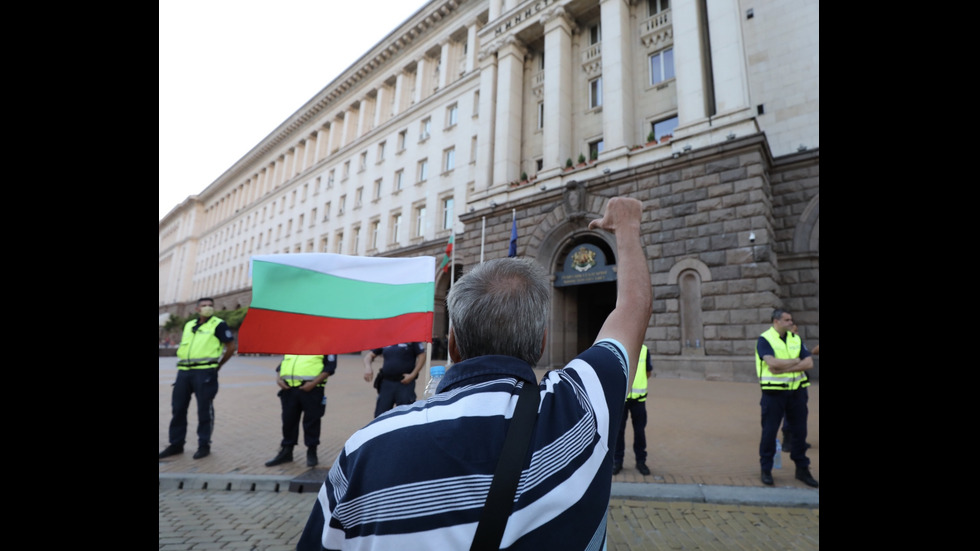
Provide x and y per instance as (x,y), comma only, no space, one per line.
(452,261)
(483,233)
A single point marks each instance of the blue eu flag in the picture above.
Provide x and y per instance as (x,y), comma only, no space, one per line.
(513,239)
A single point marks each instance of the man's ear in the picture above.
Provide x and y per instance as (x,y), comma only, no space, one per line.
(453,352)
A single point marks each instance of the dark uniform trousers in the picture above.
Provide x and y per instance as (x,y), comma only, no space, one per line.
(311,406)
(393,393)
(203,384)
(637,411)
(775,404)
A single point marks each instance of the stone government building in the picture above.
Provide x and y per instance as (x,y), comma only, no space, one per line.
(474,113)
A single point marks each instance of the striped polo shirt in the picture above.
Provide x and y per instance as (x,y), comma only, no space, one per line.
(417,476)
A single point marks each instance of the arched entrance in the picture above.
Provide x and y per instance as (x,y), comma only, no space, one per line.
(584,294)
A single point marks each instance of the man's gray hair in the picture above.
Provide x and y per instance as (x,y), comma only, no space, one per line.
(501,307)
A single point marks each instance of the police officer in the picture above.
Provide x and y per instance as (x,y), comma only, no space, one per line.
(301,380)
(401,366)
(199,358)
(781,360)
(636,407)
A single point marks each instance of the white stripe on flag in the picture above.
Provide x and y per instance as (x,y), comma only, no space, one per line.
(372,269)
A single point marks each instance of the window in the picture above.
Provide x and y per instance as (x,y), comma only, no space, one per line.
(316,188)
(292,199)
(399,175)
(662,66)
(595,148)
(595,93)
(452,113)
(396,226)
(656,6)
(377,189)
(425,129)
(341,204)
(381,151)
(540,115)
(595,35)
(423,171)
(363,164)
(401,140)
(339,239)
(299,224)
(447,213)
(326,212)
(323,244)
(373,238)
(330,179)
(358,197)
(450,159)
(313,217)
(476,104)
(306,187)
(346,170)
(664,128)
(419,220)
(356,242)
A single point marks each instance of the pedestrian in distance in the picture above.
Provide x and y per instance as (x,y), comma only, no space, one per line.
(400,368)
(302,380)
(199,358)
(418,476)
(781,360)
(635,409)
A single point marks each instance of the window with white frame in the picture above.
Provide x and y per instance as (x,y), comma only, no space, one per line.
(355,244)
(373,238)
(326,211)
(452,113)
(595,92)
(540,115)
(447,213)
(346,170)
(341,204)
(664,128)
(656,6)
(381,151)
(330,179)
(595,35)
(401,140)
(423,171)
(396,227)
(399,179)
(449,157)
(662,66)
(358,197)
(363,163)
(425,129)
(419,220)
(339,241)
(324,243)
(313,217)
(595,148)
(377,189)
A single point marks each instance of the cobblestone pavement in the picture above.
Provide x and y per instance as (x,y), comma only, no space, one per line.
(703,492)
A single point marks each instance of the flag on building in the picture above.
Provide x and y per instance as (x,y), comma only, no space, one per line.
(325,303)
(449,251)
(513,239)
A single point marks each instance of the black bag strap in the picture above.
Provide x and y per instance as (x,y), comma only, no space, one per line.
(500,499)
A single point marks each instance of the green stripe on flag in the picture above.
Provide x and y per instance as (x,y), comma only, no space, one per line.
(290,289)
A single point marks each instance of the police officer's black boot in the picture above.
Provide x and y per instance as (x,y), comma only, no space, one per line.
(285,454)
(311,459)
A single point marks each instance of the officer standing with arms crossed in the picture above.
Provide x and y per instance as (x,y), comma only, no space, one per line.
(636,408)
(781,360)
(301,380)
(199,359)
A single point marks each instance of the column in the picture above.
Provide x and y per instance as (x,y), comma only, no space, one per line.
(731,87)
(485,136)
(558,28)
(333,137)
(618,124)
(381,99)
(494,10)
(399,93)
(346,128)
(419,80)
(361,118)
(510,85)
(312,144)
(471,47)
(322,142)
(444,68)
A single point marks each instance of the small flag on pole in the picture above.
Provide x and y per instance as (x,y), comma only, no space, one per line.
(449,251)
(324,303)
(513,239)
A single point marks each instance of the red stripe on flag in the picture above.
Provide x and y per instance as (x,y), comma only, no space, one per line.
(272,332)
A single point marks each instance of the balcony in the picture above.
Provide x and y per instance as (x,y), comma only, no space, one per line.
(657,31)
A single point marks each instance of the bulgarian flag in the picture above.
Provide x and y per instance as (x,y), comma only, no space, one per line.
(325,303)
(449,251)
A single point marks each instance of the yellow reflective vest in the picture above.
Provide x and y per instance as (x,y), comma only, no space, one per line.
(200,349)
(639,390)
(298,369)
(784,351)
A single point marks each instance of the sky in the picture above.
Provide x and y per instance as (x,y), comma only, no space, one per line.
(231,71)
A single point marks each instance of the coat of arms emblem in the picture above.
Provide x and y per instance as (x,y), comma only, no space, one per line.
(583,260)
